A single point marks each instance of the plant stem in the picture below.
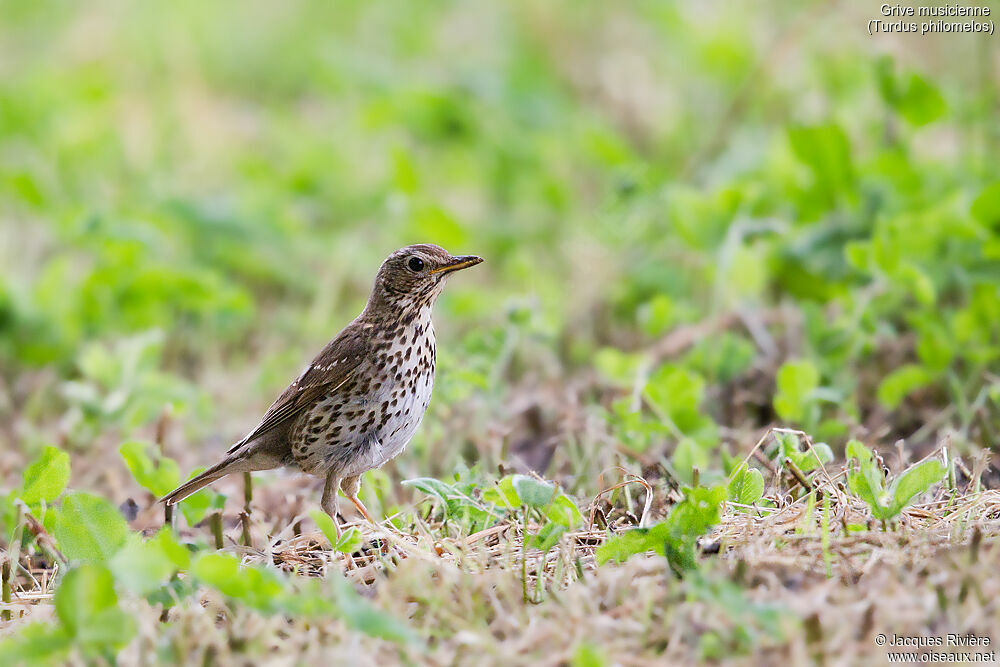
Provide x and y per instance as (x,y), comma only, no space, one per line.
(5,585)
(245,522)
(216,521)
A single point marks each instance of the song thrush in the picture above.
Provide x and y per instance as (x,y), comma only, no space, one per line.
(360,400)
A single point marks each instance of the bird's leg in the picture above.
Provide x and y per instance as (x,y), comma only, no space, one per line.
(351,486)
(329,501)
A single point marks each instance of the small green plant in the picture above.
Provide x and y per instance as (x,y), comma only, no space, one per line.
(347,542)
(270,592)
(457,501)
(789,447)
(867,481)
(676,537)
(560,513)
(746,485)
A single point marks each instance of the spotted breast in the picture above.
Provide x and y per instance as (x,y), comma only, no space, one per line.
(369,419)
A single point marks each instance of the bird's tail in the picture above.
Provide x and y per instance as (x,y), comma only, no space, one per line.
(228,465)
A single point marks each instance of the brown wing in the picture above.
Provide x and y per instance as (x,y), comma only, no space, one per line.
(334,366)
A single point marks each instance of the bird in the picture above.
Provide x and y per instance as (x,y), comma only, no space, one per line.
(358,403)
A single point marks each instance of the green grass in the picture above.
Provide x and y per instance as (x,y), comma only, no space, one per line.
(699,223)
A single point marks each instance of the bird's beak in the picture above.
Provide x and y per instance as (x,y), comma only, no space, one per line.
(457,263)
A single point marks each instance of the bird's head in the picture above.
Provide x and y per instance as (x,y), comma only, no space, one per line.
(413,277)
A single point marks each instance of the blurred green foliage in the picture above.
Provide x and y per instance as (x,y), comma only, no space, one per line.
(188,186)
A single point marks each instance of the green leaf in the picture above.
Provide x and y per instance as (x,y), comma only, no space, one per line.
(142,567)
(89,528)
(350,541)
(87,606)
(898,384)
(808,460)
(820,455)
(687,456)
(432,487)
(153,471)
(678,393)
(37,644)
(326,524)
(747,486)
(564,512)
(622,547)
(796,381)
(257,587)
(533,492)
(867,482)
(547,537)
(502,494)
(827,152)
(176,552)
(986,207)
(85,591)
(361,615)
(675,537)
(919,101)
(46,478)
(588,655)
(913,481)
(617,366)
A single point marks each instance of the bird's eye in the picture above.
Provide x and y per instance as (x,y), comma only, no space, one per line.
(416,264)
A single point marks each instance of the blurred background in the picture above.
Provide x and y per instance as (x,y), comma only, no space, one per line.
(699,220)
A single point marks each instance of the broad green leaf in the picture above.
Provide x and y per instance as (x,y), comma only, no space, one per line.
(175,552)
(622,547)
(657,315)
(257,587)
(87,606)
(326,524)
(588,655)
(617,366)
(142,566)
(747,486)
(563,511)
(350,541)
(363,616)
(533,492)
(986,207)
(820,455)
(156,473)
(431,486)
(913,481)
(807,460)
(502,494)
(46,478)
(827,152)
(901,382)
(919,101)
(687,456)
(678,393)
(84,592)
(796,381)
(89,528)
(868,482)
(37,644)
(547,537)
(221,571)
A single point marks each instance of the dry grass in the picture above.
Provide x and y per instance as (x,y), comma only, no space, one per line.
(777,583)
